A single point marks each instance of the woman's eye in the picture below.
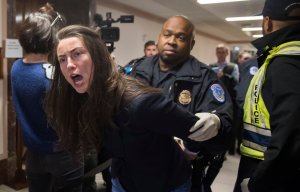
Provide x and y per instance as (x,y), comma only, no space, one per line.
(76,54)
(61,60)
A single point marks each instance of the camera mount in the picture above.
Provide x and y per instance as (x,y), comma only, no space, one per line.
(111,34)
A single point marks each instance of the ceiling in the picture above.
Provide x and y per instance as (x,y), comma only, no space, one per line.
(209,19)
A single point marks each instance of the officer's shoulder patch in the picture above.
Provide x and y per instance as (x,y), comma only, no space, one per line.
(218,92)
(49,70)
(253,70)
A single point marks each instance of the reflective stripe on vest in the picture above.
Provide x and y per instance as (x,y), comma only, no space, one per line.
(257,132)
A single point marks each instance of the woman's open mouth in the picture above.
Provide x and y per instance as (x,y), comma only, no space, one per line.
(77,79)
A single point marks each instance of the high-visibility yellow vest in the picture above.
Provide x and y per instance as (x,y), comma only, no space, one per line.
(257,132)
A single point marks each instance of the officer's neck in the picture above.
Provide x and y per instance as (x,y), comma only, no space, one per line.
(164,67)
(35,57)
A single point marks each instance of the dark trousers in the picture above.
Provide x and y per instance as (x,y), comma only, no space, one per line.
(103,155)
(90,162)
(205,170)
(235,135)
(56,172)
(240,127)
(246,167)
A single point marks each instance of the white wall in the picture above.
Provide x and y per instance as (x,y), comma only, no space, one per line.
(1,121)
(1,95)
(1,20)
(3,84)
(204,49)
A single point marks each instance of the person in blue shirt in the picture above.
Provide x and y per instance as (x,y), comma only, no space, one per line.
(49,167)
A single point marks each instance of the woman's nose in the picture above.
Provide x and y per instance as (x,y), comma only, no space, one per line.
(70,63)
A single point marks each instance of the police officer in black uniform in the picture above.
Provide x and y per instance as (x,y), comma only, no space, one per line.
(195,87)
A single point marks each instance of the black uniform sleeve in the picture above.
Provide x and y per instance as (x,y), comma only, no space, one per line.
(156,113)
(214,98)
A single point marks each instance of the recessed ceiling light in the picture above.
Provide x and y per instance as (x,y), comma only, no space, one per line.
(257,35)
(252,29)
(248,18)
(217,1)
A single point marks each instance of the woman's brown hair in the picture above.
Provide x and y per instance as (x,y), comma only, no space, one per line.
(82,118)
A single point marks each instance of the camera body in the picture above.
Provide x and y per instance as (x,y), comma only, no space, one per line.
(111,34)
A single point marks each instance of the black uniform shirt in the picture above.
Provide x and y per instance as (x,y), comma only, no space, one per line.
(196,88)
(145,156)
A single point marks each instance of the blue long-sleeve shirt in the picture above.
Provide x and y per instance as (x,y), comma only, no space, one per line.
(29,85)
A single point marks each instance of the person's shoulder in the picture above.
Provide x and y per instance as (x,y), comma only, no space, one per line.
(149,60)
(16,67)
(248,64)
(146,62)
(194,61)
(131,65)
(230,67)
(133,61)
(213,64)
(289,63)
(232,64)
(199,65)
(17,62)
(197,68)
(19,66)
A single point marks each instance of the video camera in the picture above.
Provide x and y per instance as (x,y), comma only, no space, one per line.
(111,34)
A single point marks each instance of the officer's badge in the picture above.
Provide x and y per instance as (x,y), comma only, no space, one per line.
(49,70)
(218,92)
(185,97)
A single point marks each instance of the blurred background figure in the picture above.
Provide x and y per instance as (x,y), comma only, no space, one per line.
(243,57)
(222,66)
(228,73)
(150,49)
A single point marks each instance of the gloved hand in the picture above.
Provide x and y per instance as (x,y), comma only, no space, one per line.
(205,128)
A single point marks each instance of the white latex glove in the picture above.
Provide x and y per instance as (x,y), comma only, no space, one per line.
(206,127)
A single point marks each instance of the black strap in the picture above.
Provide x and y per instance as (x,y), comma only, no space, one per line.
(91,173)
(98,169)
